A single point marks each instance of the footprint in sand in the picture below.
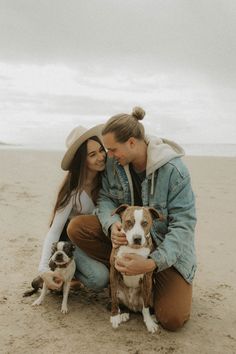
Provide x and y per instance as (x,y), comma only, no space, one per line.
(216,296)
(26,195)
(224,286)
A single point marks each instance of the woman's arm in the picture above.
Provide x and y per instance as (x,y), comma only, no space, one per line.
(53,235)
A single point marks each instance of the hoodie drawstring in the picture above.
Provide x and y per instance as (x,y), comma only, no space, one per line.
(152,184)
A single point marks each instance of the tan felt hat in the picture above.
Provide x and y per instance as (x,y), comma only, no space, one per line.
(76,138)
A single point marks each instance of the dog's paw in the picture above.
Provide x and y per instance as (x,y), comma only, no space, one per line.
(37,302)
(118,319)
(152,326)
(124,316)
(64,309)
(115,320)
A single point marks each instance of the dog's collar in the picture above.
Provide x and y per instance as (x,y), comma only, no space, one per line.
(64,265)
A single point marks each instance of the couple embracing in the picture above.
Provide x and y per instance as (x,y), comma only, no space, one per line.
(113,164)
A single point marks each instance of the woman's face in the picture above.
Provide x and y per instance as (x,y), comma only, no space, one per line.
(96,156)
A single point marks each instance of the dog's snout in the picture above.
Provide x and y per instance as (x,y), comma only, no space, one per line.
(137,239)
(59,256)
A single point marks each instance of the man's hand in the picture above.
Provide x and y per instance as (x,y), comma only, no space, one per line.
(118,236)
(134,264)
(53,282)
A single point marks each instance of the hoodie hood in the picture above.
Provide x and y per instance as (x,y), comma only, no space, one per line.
(160,151)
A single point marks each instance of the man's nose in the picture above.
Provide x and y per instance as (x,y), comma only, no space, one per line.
(110,154)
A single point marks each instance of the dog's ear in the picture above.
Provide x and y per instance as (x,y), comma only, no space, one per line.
(120,209)
(69,248)
(155,214)
(54,247)
(72,246)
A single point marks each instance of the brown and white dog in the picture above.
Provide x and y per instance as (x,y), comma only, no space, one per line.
(135,291)
(63,265)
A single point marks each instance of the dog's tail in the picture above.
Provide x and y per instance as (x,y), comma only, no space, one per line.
(36,284)
(30,292)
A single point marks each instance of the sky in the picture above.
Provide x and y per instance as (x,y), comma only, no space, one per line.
(65,63)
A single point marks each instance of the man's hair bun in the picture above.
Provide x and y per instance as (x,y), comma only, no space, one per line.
(138,113)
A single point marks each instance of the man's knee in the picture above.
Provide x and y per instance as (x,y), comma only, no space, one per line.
(170,320)
(74,228)
(173,323)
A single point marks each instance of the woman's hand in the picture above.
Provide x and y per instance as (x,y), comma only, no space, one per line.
(118,236)
(134,264)
(53,282)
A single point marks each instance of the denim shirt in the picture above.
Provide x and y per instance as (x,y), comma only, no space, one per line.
(167,189)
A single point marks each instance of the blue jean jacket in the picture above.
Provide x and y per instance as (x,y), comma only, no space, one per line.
(169,191)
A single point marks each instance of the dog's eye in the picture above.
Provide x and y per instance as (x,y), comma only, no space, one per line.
(144,223)
(128,223)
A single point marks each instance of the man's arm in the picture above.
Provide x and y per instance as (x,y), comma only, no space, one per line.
(106,204)
(182,221)
(133,264)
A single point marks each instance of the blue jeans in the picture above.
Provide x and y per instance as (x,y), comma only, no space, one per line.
(93,274)
(92,252)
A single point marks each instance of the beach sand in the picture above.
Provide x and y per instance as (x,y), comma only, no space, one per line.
(28,185)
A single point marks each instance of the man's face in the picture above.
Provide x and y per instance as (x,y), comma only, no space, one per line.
(122,152)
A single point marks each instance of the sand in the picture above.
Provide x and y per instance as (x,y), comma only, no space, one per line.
(28,186)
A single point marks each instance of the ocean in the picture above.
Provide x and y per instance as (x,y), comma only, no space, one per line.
(223,150)
(50,134)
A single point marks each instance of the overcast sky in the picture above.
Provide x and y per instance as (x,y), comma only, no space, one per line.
(175,58)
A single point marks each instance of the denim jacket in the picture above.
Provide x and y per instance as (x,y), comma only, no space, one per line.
(167,188)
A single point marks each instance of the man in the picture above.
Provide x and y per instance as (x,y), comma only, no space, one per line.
(148,171)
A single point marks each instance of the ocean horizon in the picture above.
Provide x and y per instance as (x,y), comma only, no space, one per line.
(45,133)
(221,150)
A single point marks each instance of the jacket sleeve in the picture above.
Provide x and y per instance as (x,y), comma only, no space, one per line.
(181,221)
(106,205)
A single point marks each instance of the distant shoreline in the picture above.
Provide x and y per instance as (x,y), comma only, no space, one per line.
(2,143)
(211,150)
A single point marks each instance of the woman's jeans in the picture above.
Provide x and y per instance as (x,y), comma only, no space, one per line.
(92,271)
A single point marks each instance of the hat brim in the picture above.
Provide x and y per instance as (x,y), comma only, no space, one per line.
(70,153)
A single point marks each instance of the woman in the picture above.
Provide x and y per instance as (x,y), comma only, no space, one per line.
(85,160)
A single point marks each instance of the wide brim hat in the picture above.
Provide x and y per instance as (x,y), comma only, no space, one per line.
(75,139)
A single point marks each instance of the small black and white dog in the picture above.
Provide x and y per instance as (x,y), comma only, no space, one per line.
(63,265)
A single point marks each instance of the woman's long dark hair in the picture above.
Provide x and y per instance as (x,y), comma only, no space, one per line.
(76,178)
